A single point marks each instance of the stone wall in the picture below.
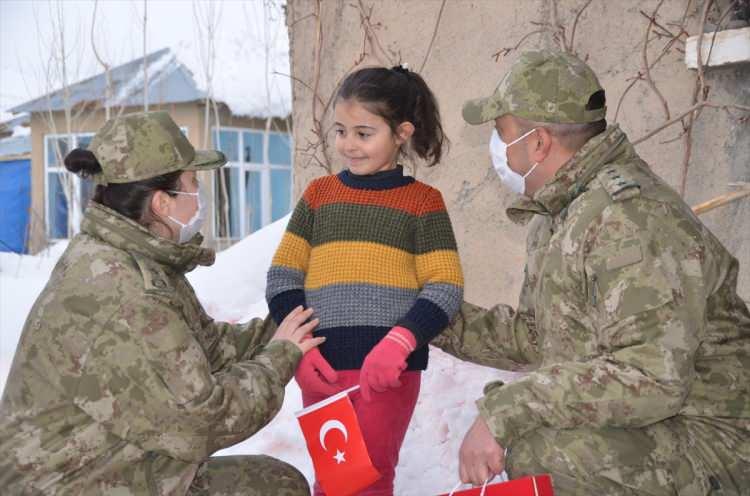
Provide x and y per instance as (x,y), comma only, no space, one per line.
(458,60)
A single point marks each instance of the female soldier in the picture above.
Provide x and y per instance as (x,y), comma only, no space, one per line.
(121,383)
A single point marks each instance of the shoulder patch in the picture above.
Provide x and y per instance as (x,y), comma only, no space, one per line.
(618,183)
(155,279)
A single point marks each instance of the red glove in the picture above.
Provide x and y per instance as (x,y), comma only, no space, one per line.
(315,375)
(385,362)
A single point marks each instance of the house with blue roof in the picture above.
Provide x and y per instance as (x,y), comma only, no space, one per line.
(255,188)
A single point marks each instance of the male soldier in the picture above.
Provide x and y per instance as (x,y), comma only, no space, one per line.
(628,315)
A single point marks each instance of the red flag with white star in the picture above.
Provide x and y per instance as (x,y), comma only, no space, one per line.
(334,440)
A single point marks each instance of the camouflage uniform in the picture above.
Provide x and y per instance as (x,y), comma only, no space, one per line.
(122,384)
(629,317)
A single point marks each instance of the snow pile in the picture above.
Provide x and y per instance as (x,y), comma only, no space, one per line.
(21,131)
(233,290)
(22,278)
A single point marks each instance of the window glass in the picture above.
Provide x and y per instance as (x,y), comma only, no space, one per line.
(228,202)
(281,193)
(56,146)
(57,207)
(279,151)
(253,213)
(229,145)
(258,188)
(253,147)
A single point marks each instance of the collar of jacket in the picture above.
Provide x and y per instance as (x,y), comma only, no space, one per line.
(119,231)
(573,177)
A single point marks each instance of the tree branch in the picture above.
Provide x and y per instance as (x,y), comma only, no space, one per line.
(434,35)
(647,68)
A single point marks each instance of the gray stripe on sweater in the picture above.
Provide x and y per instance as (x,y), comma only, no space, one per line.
(447,296)
(282,279)
(345,305)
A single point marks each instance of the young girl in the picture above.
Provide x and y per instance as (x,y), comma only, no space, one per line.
(372,251)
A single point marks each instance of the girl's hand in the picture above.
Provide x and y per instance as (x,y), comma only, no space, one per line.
(316,376)
(293,328)
(385,362)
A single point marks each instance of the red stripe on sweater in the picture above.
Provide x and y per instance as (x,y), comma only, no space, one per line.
(416,198)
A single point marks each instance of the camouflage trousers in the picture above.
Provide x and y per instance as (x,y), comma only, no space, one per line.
(256,475)
(657,460)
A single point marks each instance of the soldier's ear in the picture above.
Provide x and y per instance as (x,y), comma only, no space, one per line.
(161,203)
(541,144)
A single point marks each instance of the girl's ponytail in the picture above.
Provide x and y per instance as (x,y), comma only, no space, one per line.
(428,138)
(399,95)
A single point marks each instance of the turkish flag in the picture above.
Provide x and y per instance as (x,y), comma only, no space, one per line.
(334,440)
(534,485)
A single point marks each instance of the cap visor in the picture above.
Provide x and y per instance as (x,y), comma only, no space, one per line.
(481,110)
(207,160)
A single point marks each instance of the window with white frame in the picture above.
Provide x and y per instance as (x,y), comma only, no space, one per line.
(65,194)
(255,187)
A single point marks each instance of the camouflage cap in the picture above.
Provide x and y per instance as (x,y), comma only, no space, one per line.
(140,146)
(543,86)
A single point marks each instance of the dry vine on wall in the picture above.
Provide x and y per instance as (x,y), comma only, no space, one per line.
(316,150)
(674,36)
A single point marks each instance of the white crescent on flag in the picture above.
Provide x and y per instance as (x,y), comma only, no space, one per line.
(330,425)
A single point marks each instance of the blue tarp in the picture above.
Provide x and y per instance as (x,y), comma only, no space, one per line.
(15,200)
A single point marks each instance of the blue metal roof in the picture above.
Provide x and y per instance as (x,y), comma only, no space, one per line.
(169,81)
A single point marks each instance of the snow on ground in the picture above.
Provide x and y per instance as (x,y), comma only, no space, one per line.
(22,278)
(233,290)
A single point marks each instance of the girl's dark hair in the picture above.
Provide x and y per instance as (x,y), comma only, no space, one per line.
(398,95)
(128,199)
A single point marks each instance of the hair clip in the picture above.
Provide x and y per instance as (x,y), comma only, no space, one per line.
(402,68)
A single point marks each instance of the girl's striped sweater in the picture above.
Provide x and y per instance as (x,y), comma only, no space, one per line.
(368,253)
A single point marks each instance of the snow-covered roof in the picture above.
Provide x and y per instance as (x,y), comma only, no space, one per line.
(169,81)
(15,145)
(16,126)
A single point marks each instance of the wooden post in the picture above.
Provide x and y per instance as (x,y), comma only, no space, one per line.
(721,200)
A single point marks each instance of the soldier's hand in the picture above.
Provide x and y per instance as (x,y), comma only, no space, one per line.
(480,457)
(296,328)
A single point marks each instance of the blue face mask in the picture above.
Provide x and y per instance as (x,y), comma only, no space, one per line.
(499,153)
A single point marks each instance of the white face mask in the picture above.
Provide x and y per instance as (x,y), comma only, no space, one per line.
(191,228)
(499,153)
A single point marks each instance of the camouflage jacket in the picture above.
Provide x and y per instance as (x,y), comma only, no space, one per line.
(628,313)
(121,383)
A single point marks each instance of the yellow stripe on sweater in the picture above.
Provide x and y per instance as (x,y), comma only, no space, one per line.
(361,262)
(439,266)
(293,252)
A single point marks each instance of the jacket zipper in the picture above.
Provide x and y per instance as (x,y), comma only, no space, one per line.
(150,481)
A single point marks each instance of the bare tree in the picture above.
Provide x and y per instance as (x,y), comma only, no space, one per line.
(60,55)
(55,52)
(145,60)
(105,65)
(207,18)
